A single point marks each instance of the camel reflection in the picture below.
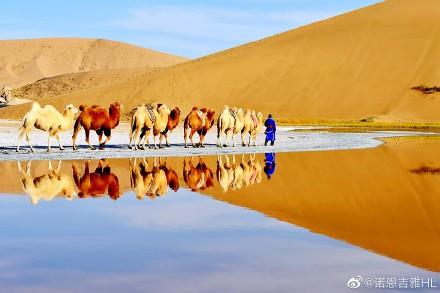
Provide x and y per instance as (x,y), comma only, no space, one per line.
(199,177)
(96,184)
(46,186)
(153,182)
(232,176)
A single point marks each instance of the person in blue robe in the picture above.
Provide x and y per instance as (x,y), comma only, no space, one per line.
(271,129)
(270,164)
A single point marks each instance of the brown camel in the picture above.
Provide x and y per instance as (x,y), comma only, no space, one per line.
(199,121)
(98,119)
(199,177)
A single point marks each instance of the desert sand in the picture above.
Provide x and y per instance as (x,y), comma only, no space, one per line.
(26,61)
(353,66)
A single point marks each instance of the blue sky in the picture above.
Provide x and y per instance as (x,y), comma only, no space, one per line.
(187,28)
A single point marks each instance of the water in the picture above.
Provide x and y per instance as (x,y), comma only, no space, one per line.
(204,225)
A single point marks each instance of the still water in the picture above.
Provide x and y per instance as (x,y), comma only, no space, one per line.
(299,222)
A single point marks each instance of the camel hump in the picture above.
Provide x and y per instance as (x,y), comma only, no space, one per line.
(195,108)
(35,105)
(82,107)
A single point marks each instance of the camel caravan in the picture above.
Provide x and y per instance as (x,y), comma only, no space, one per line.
(146,120)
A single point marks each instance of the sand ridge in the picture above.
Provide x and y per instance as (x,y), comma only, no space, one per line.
(26,61)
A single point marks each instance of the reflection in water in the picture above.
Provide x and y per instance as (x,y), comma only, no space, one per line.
(199,177)
(383,201)
(232,176)
(152,182)
(46,186)
(96,184)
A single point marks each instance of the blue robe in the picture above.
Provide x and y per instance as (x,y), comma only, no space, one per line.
(271,128)
(269,161)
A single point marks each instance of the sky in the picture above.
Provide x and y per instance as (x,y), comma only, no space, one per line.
(187,28)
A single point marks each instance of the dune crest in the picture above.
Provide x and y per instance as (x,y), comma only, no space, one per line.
(26,61)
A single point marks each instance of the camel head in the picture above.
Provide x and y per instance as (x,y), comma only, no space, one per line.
(260,117)
(164,109)
(71,109)
(116,107)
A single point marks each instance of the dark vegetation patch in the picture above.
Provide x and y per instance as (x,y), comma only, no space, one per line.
(426,90)
(425,170)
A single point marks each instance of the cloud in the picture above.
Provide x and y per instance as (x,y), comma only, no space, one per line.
(198,27)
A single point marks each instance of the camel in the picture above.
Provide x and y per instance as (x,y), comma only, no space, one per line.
(98,119)
(152,182)
(47,119)
(251,170)
(96,184)
(140,179)
(199,177)
(162,114)
(199,121)
(173,121)
(224,173)
(140,119)
(229,123)
(47,186)
(229,176)
(252,125)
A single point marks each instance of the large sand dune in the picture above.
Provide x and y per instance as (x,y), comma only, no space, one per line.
(25,61)
(357,65)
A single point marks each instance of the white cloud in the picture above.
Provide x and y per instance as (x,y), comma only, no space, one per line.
(196,26)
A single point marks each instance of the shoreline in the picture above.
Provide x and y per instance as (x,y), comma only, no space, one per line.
(289,139)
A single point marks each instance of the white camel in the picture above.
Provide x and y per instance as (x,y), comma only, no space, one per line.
(48,119)
(229,123)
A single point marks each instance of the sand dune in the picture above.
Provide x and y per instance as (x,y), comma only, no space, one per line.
(25,61)
(74,82)
(357,65)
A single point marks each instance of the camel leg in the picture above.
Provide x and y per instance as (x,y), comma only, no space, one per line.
(20,137)
(249,142)
(242,139)
(99,133)
(48,142)
(191,137)
(185,136)
(59,141)
(166,139)
(107,133)
(233,138)
(202,139)
(28,139)
(136,139)
(154,141)
(219,139)
(254,137)
(146,139)
(87,131)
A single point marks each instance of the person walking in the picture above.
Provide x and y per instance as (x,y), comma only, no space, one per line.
(271,129)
